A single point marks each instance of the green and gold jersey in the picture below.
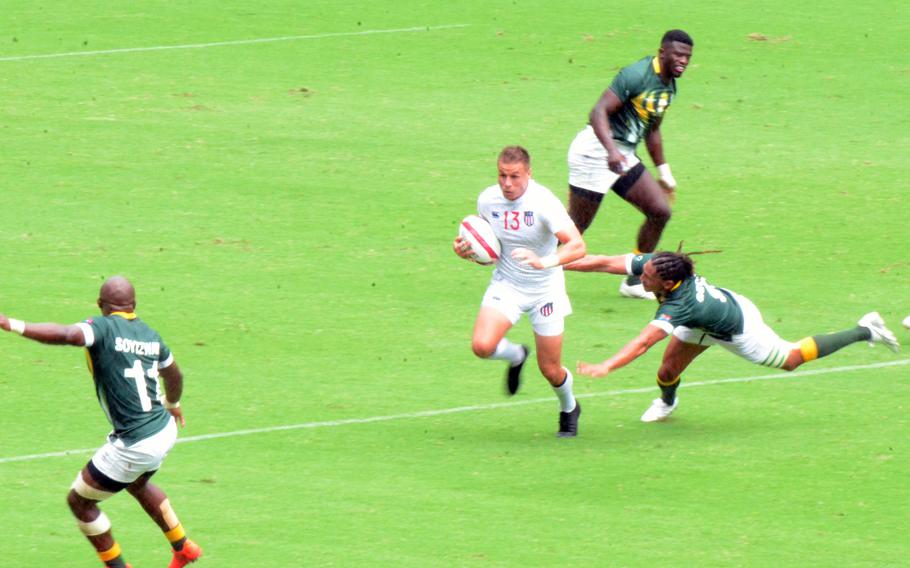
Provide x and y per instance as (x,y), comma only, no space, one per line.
(124,355)
(645,98)
(694,304)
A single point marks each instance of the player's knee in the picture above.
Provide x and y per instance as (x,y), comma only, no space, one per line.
(80,492)
(794,360)
(551,370)
(77,503)
(482,348)
(659,215)
(73,501)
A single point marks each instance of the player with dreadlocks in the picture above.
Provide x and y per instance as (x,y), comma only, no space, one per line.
(699,315)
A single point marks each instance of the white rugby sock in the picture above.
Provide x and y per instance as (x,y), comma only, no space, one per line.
(508,351)
(564,392)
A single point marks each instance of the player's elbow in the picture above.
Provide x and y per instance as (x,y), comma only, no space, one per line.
(578,251)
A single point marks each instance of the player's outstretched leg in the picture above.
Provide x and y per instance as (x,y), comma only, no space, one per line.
(869,328)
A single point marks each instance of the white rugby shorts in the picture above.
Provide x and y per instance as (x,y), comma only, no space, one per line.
(757,343)
(588,162)
(126,464)
(546,311)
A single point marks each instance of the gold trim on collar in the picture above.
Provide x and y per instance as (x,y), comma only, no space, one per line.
(125,315)
(675,286)
(655,63)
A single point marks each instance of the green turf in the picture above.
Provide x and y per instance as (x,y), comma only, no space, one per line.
(286,210)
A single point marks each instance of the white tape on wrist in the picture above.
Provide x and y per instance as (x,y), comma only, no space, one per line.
(171,405)
(550,261)
(664,171)
(17,325)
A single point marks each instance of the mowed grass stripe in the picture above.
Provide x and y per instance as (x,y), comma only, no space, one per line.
(232,42)
(475,408)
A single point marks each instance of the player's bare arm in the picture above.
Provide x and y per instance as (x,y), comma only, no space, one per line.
(655,145)
(50,333)
(173,388)
(599,263)
(607,104)
(634,349)
(572,248)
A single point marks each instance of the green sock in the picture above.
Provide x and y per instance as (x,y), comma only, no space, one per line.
(831,342)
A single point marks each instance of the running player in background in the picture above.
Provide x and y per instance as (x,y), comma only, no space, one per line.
(529,222)
(126,357)
(602,156)
(699,315)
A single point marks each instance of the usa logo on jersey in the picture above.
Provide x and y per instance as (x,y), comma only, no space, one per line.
(546,309)
(529,218)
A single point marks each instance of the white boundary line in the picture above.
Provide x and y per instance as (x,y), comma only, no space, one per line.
(474,408)
(232,42)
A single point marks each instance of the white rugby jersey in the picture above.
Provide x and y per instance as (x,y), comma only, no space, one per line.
(530,222)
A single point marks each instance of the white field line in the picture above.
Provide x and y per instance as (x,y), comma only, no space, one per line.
(232,42)
(473,408)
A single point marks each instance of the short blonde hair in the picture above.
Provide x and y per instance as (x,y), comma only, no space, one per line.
(515,154)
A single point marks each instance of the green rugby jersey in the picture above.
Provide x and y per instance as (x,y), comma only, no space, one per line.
(124,355)
(645,98)
(694,304)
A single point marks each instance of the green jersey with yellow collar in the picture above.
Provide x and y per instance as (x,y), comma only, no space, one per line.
(645,99)
(695,304)
(124,356)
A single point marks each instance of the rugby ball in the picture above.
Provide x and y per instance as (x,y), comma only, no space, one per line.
(483,240)
(906,322)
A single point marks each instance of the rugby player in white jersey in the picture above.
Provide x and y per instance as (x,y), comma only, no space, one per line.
(530,223)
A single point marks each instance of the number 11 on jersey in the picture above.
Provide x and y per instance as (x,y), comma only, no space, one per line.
(138,374)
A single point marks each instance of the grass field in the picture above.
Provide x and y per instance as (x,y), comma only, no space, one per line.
(282,182)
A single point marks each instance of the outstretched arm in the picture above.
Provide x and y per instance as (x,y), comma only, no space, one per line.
(573,247)
(51,333)
(634,349)
(599,263)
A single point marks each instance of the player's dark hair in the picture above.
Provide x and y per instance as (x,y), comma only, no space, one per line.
(677,35)
(673,266)
(514,155)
